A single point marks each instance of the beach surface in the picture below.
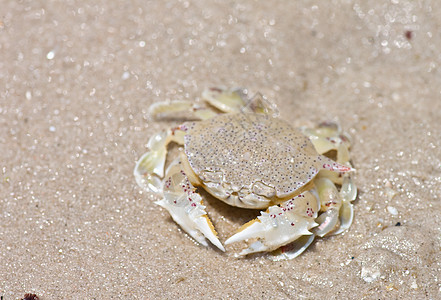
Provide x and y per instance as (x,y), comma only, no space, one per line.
(77,79)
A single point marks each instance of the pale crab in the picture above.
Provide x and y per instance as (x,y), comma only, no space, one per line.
(241,153)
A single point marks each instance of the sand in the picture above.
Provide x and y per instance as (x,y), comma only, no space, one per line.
(76,81)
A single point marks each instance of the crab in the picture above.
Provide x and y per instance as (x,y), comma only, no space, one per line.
(239,151)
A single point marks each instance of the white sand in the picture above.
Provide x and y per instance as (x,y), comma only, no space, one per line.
(76,80)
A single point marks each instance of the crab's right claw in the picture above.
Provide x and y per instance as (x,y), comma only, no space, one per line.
(150,167)
(185,206)
(279,225)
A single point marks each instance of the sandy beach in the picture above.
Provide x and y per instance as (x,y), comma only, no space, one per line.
(77,79)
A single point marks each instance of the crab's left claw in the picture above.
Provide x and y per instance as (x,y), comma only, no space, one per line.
(185,206)
(279,225)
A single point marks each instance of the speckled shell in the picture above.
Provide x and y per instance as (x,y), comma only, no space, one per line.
(252,148)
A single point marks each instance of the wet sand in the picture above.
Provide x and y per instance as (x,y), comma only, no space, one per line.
(76,81)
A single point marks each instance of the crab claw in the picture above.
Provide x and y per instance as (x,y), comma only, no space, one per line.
(279,225)
(185,206)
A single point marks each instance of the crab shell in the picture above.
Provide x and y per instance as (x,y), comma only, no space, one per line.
(251,160)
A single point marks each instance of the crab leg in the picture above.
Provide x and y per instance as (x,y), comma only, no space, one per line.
(225,100)
(236,100)
(150,167)
(219,100)
(348,193)
(279,225)
(185,206)
(222,100)
(328,136)
(330,203)
(180,110)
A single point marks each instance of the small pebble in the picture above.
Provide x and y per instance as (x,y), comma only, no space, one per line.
(392,210)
